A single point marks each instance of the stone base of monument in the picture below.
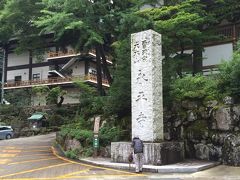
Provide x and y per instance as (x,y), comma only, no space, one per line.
(154,153)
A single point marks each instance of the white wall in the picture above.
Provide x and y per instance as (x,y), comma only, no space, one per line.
(42,70)
(72,96)
(215,54)
(22,72)
(78,68)
(18,59)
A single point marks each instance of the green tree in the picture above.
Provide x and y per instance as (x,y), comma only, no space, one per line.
(228,78)
(87,25)
(182,26)
(16,20)
(52,94)
(19,97)
(119,100)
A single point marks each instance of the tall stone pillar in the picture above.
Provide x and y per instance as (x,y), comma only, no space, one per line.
(147,104)
(146,82)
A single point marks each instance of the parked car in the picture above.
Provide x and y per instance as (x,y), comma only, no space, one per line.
(6,132)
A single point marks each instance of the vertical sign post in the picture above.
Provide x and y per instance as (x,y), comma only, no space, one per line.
(96,136)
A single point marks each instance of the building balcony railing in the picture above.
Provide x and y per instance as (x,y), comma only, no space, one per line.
(54,81)
(60,54)
(227,33)
(71,53)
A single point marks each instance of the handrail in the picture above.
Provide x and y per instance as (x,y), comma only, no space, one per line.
(58,80)
(52,54)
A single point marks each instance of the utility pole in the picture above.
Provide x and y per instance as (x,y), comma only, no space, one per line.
(3,73)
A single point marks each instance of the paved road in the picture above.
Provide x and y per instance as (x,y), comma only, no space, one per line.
(34,158)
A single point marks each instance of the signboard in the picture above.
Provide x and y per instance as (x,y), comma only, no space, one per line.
(95,137)
(95,141)
(96,124)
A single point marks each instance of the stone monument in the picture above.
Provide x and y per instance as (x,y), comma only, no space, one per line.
(146,82)
(147,103)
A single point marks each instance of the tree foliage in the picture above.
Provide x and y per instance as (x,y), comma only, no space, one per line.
(228,82)
(52,95)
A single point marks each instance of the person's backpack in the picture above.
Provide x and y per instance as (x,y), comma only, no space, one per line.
(137,146)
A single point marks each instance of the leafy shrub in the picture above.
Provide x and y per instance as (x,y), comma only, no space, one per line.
(55,120)
(87,152)
(109,134)
(228,79)
(73,154)
(75,131)
(197,87)
(9,110)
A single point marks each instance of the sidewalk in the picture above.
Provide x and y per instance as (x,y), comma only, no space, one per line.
(187,166)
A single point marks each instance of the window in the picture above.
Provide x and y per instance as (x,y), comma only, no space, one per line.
(18,78)
(4,128)
(93,72)
(36,76)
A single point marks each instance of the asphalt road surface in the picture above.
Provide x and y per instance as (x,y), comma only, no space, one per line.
(35,158)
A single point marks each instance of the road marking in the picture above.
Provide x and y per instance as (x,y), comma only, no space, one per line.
(34,147)
(10,147)
(73,173)
(33,170)
(38,151)
(92,166)
(36,160)
(26,145)
(11,151)
(80,177)
(49,154)
(7,155)
(106,175)
(4,161)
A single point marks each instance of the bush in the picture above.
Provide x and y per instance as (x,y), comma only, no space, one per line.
(197,87)
(109,134)
(87,152)
(228,81)
(75,131)
(73,154)
(55,120)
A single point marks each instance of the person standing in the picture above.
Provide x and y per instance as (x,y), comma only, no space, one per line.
(138,157)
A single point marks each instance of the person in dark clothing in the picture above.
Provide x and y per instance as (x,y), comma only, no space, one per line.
(138,156)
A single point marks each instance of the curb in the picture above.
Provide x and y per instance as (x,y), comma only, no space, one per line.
(174,168)
(153,169)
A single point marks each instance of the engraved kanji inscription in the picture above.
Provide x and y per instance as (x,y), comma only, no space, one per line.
(141,118)
(141,77)
(141,96)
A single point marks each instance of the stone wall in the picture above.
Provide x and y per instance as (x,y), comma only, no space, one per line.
(211,131)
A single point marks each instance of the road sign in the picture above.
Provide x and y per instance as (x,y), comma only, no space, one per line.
(96,141)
